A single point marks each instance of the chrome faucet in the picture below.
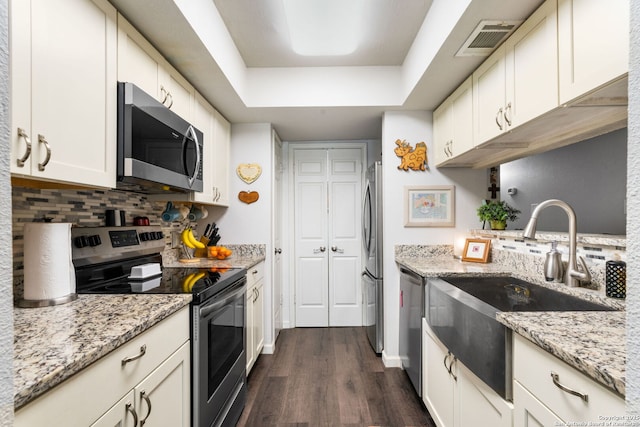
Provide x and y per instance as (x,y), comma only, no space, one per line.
(574,273)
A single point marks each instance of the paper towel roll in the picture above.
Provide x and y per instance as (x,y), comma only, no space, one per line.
(48,270)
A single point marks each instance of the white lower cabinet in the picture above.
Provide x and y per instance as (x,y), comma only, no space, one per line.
(147,378)
(153,401)
(548,390)
(255,311)
(454,396)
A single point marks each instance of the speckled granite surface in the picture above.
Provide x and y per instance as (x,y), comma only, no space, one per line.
(243,256)
(53,343)
(592,342)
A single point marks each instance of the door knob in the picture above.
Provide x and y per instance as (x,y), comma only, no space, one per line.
(278,251)
(320,249)
(336,249)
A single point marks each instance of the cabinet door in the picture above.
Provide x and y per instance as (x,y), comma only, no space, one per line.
(135,64)
(489,94)
(530,412)
(122,414)
(221,145)
(532,67)
(258,321)
(69,110)
(179,93)
(462,118)
(250,349)
(442,132)
(593,39)
(203,120)
(478,405)
(438,384)
(164,397)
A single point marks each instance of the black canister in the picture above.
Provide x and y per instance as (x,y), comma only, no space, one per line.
(616,278)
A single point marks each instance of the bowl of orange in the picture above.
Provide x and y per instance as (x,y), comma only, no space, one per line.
(218,252)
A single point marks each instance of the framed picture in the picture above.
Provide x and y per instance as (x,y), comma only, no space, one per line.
(432,206)
(476,250)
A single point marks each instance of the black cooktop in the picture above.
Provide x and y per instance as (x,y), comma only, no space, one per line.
(202,283)
(511,294)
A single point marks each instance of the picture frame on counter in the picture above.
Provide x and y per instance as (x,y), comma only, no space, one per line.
(476,250)
(429,206)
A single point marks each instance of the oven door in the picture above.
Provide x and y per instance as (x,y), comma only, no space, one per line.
(219,358)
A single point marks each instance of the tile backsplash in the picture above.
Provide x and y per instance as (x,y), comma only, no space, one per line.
(84,208)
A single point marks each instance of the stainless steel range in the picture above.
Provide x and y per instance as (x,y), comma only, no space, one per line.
(124,260)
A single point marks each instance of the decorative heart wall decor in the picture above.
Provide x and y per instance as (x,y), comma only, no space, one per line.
(248,197)
(249,172)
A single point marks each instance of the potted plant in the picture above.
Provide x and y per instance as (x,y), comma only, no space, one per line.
(497,213)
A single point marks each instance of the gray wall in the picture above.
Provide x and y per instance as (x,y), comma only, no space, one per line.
(591,176)
(6,288)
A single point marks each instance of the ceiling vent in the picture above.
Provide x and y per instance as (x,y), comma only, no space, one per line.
(486,37)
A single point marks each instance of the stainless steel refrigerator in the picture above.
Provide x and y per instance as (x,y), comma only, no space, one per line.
(372,283)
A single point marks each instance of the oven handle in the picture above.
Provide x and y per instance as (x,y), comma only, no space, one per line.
(229,296)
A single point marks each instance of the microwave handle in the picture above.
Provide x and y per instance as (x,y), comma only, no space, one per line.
(190,132)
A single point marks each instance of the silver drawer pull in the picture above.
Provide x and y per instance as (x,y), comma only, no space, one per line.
(556,380)
(43,140)
(27,153)
(143,350)
(129,408)
(143,396)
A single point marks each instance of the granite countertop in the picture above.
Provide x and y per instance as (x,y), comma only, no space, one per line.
(53,343)
(592,342)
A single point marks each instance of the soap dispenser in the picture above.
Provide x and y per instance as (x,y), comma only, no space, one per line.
(553,267)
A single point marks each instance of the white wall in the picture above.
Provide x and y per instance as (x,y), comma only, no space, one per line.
(470,187)
(633,221)
(250,224)
(6,286)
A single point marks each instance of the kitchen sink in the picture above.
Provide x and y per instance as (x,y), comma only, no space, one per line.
(461,311)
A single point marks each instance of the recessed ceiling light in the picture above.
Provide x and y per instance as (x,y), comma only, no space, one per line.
(324,27)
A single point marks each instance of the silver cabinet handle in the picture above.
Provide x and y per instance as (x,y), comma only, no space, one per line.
(43,140)
(320,249)
(507,117)
(170,99)
(337,249)
(22,134)
(163,94)
(129,408)
(556,380)
(448,368)
(143,351)
(498,115)
(143,396)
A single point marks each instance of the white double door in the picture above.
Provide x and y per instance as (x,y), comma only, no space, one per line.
(327,217)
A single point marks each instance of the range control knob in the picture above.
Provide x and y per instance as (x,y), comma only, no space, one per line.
(158,235)
(95,240)
(81,241)
(144,236)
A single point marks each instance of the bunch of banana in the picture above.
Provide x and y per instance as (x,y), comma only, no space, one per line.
(189,239)
(190,280)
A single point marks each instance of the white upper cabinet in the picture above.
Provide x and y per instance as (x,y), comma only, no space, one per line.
(594,44)
(221,147)
(63,84)
(453,124)
(140,63)
(519,81)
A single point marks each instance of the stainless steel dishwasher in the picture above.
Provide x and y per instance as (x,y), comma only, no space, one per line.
(412,294)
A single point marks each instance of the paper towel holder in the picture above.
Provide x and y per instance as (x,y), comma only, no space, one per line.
(35,303)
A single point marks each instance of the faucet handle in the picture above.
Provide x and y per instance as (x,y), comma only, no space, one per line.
(583,273)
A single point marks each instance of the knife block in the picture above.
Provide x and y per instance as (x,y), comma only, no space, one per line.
(202,252)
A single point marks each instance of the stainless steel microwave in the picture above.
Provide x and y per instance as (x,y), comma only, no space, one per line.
(158,150)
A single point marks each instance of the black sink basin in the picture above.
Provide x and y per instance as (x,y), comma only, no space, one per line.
(511,294)
(462,314)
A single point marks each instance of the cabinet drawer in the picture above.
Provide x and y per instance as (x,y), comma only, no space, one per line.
(532,368)
(255,274)
(84,397)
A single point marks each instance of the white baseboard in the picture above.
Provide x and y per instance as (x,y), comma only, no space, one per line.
(268,348)
(391,361)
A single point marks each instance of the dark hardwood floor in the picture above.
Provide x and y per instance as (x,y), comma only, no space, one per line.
(329,377)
